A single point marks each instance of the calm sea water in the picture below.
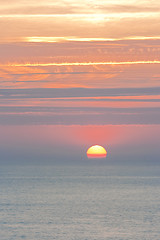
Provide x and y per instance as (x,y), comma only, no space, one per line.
(79,202)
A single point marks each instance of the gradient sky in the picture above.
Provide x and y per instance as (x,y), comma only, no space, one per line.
(78,73)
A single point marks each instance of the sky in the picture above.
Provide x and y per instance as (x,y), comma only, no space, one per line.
(78,73)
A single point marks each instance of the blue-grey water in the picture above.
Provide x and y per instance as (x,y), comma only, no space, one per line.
(84,202)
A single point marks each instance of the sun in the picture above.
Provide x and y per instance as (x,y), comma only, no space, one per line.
(96,151)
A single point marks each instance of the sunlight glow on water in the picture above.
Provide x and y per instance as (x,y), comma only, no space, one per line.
(79,202)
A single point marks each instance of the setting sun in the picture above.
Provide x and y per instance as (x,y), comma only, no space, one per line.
(96,151)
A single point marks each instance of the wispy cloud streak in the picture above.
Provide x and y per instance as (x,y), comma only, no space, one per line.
(78,63)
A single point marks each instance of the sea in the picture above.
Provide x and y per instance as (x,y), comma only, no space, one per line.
(90,201)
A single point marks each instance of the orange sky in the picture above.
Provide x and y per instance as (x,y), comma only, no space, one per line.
(75,62)
(72,43)
(79,19)
(79,32)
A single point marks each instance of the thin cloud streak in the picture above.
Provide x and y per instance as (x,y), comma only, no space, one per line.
(66,7)
(88,16)
(82,118)
(76,92)
(81,39)
(78,63)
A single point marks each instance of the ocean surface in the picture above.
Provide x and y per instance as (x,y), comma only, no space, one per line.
(80,202)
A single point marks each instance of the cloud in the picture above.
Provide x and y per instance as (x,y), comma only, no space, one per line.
(80,64)
(97,25)
(79,106)
(75,92)
(84,117)
(73,7)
